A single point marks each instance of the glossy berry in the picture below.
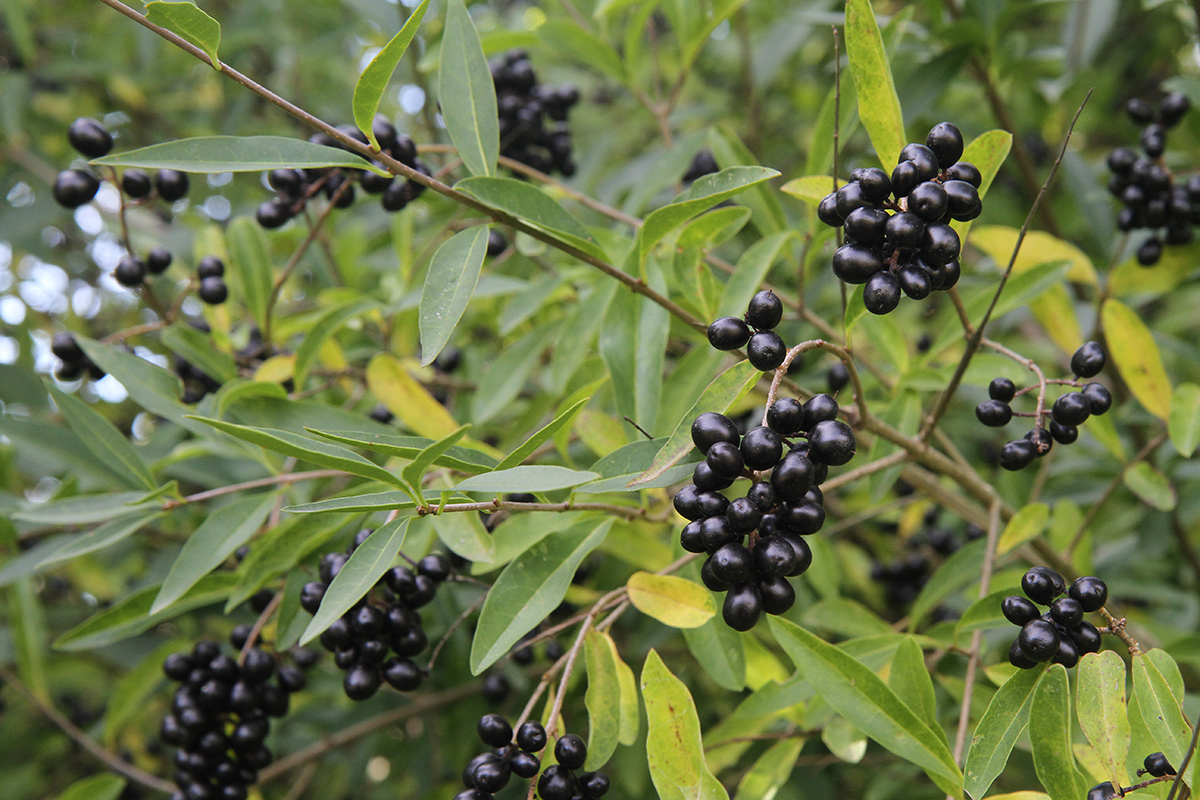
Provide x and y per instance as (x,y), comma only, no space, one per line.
(1149,252)
(777,594)
(743,515)
(725,460)
(1067,611)
(1042,585)
(928,201)
(1102,791)
(210,267)
(786,416)
(1086,637)
(1071,409)
(761,448)
(831,442)
(946,142)
(1068,652)
(766,350)
(1019,610)
(402,675)
(171,184)
(881,295)
(89,138)
(1063,434)
(130,271)
(765,311)
(1038,640)
(570,751)
(793,477)
(1017,454)
(856,263)
(818,408)
(1098,397)
(556,783)
(1088,360)
(524,765)
(1157,765)
(728,333)
(496,242)
(136,184)
(1017,658)
(491,775)
(434,566)
(1002,389)
(531,737)
(74,187)
(1091,593)
(1172,108)
(994,413)
(1041,440)
(773,556)
(710,428)
(742,607)
(157,260)
(494,730)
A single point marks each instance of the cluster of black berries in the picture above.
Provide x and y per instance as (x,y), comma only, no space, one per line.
(74,187)
(905,576)
(1155,765)
(75,362)
(764,347)
(913,249)
(361,638)
(524,106)
(1060,635)
(295,187)
(220,716)
(211,274)
(488,773)
(774,513)
(1148,193)
(1066,415)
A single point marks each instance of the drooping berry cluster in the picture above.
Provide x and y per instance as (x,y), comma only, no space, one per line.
(488,773)
(776,510)
(220,716)
(524,107)
(898,234)
(75,362)
(905,576)
(385,620)
(764,347)
(1149,196)
(211,274)
(1061,634)
(1066,415)
(295,187)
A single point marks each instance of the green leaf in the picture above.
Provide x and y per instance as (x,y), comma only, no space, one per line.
(99,538)
(507,375)
(955,574)
(1151,486)
(191,23)
(998,730)
(129,695)
(1050,735)
(987,152)
(465,535)
(198,349)
(374,79)
(104,441)
(27,627)
(320,330)
(224,530)
(207,154)
(460,459)
(149,385)
(530,445)
(603,685)
(250,263)
(532,205)
(361,571)
(529,588)
(305,449)
(729,151)
(1161,711)
(132,616)
(1132,348)
(583,47)
(277,551)
(449,284)
(529,478)
(108,786)
(771,770)
(673,745)
(1100,703)
(910,680)
(671,600)
(984,614)
(844,617)
(414,473)
(723,392)
(372,501)
(1025,525)
(85,509)
(1184,422)
(633,344)
(466,93)
(750,273)
(720,651)
(705,193)
(861,697)
(878,103)
(812,189)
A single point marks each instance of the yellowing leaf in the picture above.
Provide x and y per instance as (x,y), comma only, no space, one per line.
(1025,525)
(810,188)
(275,369)
(1054,310)
(671,600)
(998,242)
(1132,348)
(407,399)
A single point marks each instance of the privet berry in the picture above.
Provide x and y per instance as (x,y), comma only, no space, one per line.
(1061,635)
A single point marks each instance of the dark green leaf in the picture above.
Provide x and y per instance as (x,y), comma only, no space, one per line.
(27,626)
(85,509)
(530,445)
(224,530)
(449,284)
(529,588)
(198,349)
(99,538)
(374,79)
(208,154)
(414,473)
(104,441)
(364,568)
(190,23)
(460,459)
(1050,735)
(250,265)
(998,729)
(466,93)
(321,329)
(534,206)
(910,680)
(507,375)
(729,151)
(529,478)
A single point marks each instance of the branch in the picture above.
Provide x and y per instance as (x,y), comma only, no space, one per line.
(272,480)
(1112,487)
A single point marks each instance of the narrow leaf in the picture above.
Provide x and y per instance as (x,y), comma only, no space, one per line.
(1050,735)
(529,478)
(1160,709)
(673,744)
(223,531)
(208,154)
(530,445)
(199,350)
(389,381)
(671,600)
(320,330)
(250,263)
(771,770)
(191,23)
(27,627)
(878,104)
(374,79)
(461,459)
(98,787)
(998,730)
(99,538)
(1153,487)
(1132,348)
(449,284)
(534,206)
(529,588)
(1026,524)
(910,680)
(987,152)
(104,441)
(467,94)
(1184,423)
(414,473)
(1100,703)
(604,716)
(361,571)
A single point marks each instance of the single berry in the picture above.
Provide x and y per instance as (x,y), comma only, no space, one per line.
(494,730)
(742,607)
(1172,108)
(1098,397)
(1157,765)
(1017,658)
(786,416)
(946,142)
(1149,252)
(728,333)
(1067,611)
(273,214)
(1063,434)
(1071,409)
(743,515)
(570,751)
(710,428)
(1042,585)
(89,138)
(1088,360)
(994,413)
(1017,454)
(130,271)
(171,184)
(1041,440)
(766,351)
(777,594)
(157,260)
(831,442)
(856,263)
(881,295)
(531,737)
(820,407)
(928,201)
(1068,652)
(1090,592)
(1038,640)
(213,291)
(793,477)
(402,675)
(556,783)
(1018,610)
(136,184)
(765,311)
(74,187)
(524,765)
(773,557)
(725,460)
(761,448)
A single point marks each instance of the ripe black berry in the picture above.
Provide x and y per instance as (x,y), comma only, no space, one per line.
(492,774)
(1149,252)
(556,783)
(1017,454)
(766,350)
(881,295)
(710,428)
(494,730)
(1018,610)
(743,515)
(74,187)
(777,594)
(1086,637)
(728,333)
(570,751)
(273,213)
(130,271)
(157,260)
(786,416)
(928,201)
(793,477)
(946,142)
(1063,434)
(1157,765)
(1071,409)
(401,674)
(725,460)
(1067,611)
(361,682)
(531,737)
(171,184)
(1088,360)
(773,557)
(213,291)
(1017,658)
(1042,585)
(1067,653)
(136,184)
(210,267)
(435,566)
(765,311)
(856,263)
(742,607)
(1090,592)
(761,448)
(495,688)
(89,138)
(962,171)
(1098,397)
(831,442)
(994,413)
(866,225)
(1038,640)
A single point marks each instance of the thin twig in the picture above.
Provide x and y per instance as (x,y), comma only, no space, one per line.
(233,488)
(266,614)
(86,742)
(1191,751)
(1117,628)
(1111,489)
(507,505)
